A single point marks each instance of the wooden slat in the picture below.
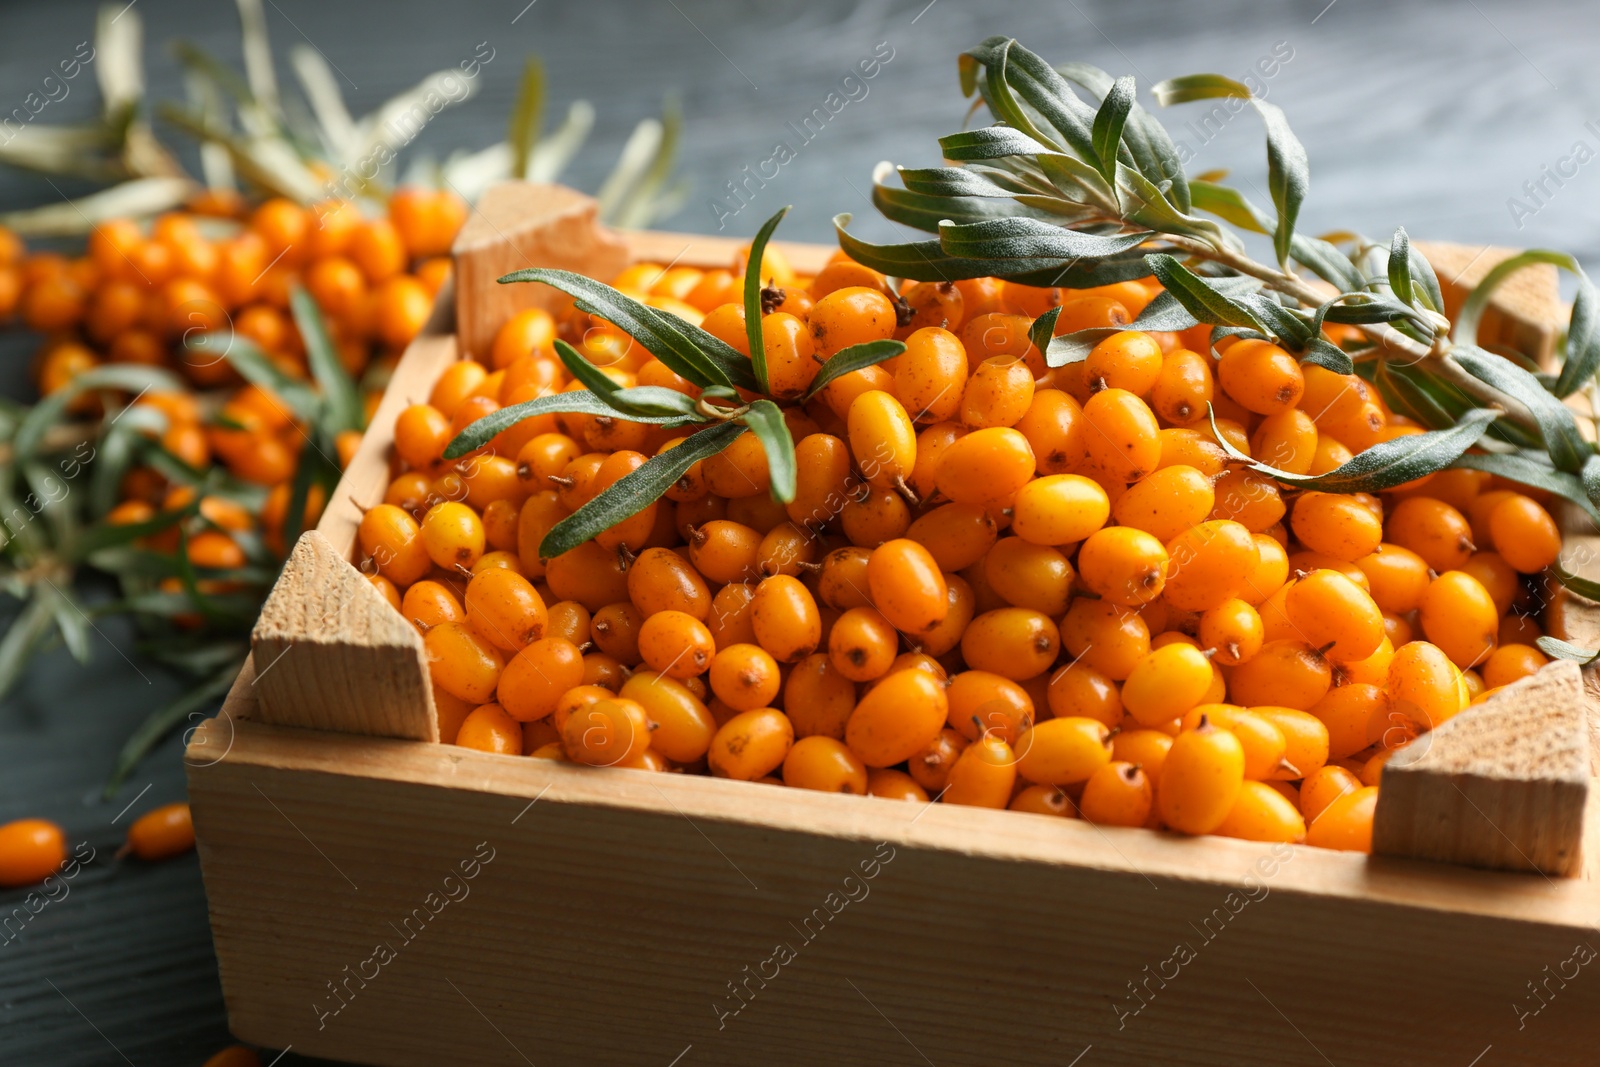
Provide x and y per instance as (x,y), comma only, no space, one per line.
(1525,313)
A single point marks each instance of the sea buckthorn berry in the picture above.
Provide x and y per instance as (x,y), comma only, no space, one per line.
(1511,663)
(862,644)
(606,733)
(1059,509)
(462,663)
(1145,748)
(1109,638)
(1524,534)
(1026,575)
(661,580)
(1123,565)
(421,432)
(1129,360)
(956,535)
(545,457)
(615,632)
(817,698)
(505,609)
(1043,800)
(1063,751)
(1053,426)
(850,316)
(1498,578)
(1356,715)
(824,764)
(1262,741)
(1249,498)
(930,766)
(1433,530)
(1166,502)
(1016,643)
(985,466)
(1192,448)
(1121,437)
(1305,740)
(1077,689)
(1118,794)
(842,583)
(822,479)
(983,775)
(931,374)
(1287,673)
(1519,630)
(1183,387)
(681,727)
(30,851)
(981,702)
(785,618)
(1396,577)
(394,543)
(906,586)
(744,677)
(1260,376)
(1233,629)
(999,393)
(1334,615)
(729,619)
(453,535)
(872,516)
(882,439)
(1459,616)
(1324,787)
(426,604)
(537,676)
(569,621)
(897,718)
(488,728)
(725,551)
(676,644)
(1166,683)
(945,635)
(1346,822)
(1201,779)
(740,470)
(1424,685)
(894,785)
(1337,526)
(1286,440)
(1261,813)
(500,522)
(789,349)
(1210,563)
(989,334)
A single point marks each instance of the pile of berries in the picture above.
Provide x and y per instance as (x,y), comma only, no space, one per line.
(999,584)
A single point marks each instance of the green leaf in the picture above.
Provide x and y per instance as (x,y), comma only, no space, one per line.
(1199,296)
(1532,467)
(104,535)
(1044,328)
(849,360)
(526,114)
(1400,267)
(765,420)
(1587,588)
(50,410)
(24,634)
(1046,91)
(752,299)
(163,721)
(690,352)
(255,367)
(637,490)
(1075,347)
(598,381)
(342,407)
(1387,463)
(1328,355)
(1583,329)
(1143,137)
(990,142)
(71,622)
(1108,123)
(648,401)
(573,401)
(1327,262)
(1230,205)
(1557,425)
(1559,649)
(1031,244)
(927,261)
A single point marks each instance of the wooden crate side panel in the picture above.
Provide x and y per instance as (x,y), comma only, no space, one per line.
(598,932)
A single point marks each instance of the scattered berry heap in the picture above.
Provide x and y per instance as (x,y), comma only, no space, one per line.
(997,584)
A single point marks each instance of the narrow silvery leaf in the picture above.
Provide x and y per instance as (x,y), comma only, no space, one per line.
(1199,298)
(1532,467)
(1557,424)
(752,298)
(849,360)
(1559,649)
(1108,123)
(573,401)
(765,420)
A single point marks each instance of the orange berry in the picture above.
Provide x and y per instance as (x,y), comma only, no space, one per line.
(1459,616)
(1201,779)
(897,718)
(751,744)
(1346,822)
(1524,534)
(30,851)
(824,764)
(1261,813)
(1063,751)
(1260,376)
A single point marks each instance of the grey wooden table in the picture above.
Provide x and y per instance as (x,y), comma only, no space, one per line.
(1475,121)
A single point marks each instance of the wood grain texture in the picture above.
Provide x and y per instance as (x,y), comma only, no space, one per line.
(1525,313)
(516,225)
(335,655)
(1502,785)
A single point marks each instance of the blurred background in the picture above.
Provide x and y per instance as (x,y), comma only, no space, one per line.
(1476,122)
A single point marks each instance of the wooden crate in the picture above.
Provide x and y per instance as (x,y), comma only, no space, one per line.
(387,900)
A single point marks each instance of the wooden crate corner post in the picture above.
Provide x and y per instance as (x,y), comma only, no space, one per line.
(516,225)
(1502,785)
(331,654)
